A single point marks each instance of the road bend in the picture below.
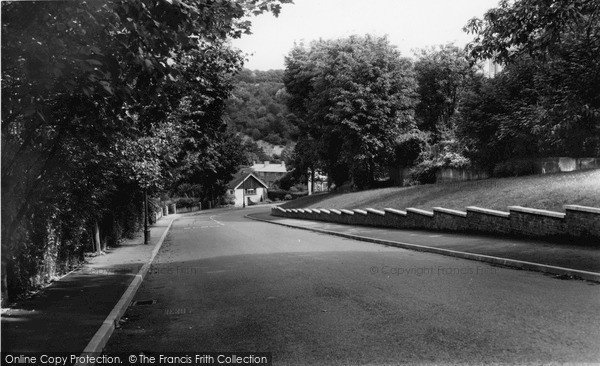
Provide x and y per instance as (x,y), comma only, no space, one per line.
(224,283)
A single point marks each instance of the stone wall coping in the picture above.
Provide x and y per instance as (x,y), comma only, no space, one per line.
(316,210)
(394,211)
(487,211)
(308,210)
(450,211)
(294,210)
(337,212)
(418,211)
(347,212)
(374,211)
(359,211)
(325,211)
(301,210)
(588,209)
(535,211)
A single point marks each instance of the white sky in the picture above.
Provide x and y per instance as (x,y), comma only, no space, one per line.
(409,24)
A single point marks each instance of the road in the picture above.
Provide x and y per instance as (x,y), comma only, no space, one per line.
(222,282)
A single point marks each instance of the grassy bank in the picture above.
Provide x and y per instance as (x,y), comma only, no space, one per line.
(549,191)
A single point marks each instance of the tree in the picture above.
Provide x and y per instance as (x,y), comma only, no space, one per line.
(443,74)
(81,81)
(498,117)
(352,97)
(556,46)
(257,107)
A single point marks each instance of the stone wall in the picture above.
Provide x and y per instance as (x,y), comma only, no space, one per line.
(540,166)
(578,222)
(453,174)
(564,164)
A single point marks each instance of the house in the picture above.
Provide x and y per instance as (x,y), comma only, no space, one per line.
(246,189)
(269,172)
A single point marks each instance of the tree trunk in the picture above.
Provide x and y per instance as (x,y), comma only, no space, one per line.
(4,300)
(97,244)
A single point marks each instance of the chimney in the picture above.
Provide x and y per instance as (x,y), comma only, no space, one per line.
(266,162)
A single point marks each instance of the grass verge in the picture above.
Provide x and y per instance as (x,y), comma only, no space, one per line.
(548,192)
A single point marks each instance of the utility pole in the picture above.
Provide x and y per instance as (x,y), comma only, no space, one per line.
(146,228)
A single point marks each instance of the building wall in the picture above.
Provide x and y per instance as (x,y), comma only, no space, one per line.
(259,192)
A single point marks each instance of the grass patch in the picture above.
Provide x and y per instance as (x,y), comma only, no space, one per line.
(547,191)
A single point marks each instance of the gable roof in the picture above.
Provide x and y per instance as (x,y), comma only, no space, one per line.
(240,178)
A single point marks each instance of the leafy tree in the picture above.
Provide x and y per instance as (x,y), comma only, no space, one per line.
(443,74)
(554,45)
(87,92)
(498,119)
(253,152)
(352,97)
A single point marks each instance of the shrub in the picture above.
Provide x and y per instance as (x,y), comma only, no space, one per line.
(424,173)
(409,146)
(514,168)
(227,199)
(280,195)
(274,194)
(287,181)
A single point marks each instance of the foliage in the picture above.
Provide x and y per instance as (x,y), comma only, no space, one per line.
(444,75)
(409,145)
(547,100)
(287,181)
(186,202)
(352,98)
(538,28)
(92,100)
(514,168)
(253,152)
(497,119)
(284,195)
(448,152)
(257,107)
(303,160)
(422,173)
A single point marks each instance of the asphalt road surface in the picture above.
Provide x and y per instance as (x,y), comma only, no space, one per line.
(222,282)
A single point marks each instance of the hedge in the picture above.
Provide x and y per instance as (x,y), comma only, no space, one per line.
(280,195)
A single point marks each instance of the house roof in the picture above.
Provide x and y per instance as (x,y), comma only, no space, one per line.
(269,168)
(241,177)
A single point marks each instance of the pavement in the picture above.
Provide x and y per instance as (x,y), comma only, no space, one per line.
(562,259)
(66,315)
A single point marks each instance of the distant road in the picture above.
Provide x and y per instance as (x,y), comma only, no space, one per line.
(225,283)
